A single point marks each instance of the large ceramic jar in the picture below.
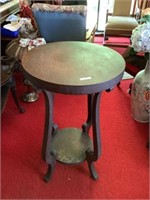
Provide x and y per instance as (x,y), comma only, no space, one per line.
(140,95)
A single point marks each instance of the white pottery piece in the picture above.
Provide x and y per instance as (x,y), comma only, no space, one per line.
(140,95)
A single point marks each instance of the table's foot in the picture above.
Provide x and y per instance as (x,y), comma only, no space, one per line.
(48,175)
(89,156)
(51,166)
(93,172)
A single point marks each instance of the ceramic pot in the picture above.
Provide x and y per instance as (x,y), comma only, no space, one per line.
(140,95)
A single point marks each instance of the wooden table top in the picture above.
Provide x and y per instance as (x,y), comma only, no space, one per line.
(73,67)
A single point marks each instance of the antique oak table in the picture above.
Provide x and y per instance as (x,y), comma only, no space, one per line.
(77,68)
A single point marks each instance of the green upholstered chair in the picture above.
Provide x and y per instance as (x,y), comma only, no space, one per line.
(122,21)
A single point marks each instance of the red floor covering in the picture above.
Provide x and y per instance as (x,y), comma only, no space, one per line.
(123,167)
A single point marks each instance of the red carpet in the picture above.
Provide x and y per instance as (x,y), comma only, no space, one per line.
(113,40)
(123,167)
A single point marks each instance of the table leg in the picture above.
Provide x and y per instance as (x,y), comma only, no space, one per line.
(87,125)
(48,155)
(92,154)
(93,118)
(13,91)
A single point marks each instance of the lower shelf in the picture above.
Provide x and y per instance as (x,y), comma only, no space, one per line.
(70,145)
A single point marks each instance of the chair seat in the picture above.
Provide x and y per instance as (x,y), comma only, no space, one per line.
(120,24)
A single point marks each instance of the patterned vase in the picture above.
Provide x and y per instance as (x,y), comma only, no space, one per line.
(140,95)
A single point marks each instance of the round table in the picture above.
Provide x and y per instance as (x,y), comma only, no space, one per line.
(73,68)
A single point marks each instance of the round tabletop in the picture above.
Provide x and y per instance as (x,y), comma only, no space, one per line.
(73,67)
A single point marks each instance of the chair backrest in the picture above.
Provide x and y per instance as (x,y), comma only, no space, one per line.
(122,7)
(59,22)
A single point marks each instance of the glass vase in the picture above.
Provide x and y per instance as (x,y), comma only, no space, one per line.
(140,95)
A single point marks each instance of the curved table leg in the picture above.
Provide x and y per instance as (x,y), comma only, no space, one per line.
(47,154)
(50,169)
(89,156)
(87,125)
(47,177)
(93,155)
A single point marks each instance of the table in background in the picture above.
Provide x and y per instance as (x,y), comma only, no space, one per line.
(8,83)
(78,68)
